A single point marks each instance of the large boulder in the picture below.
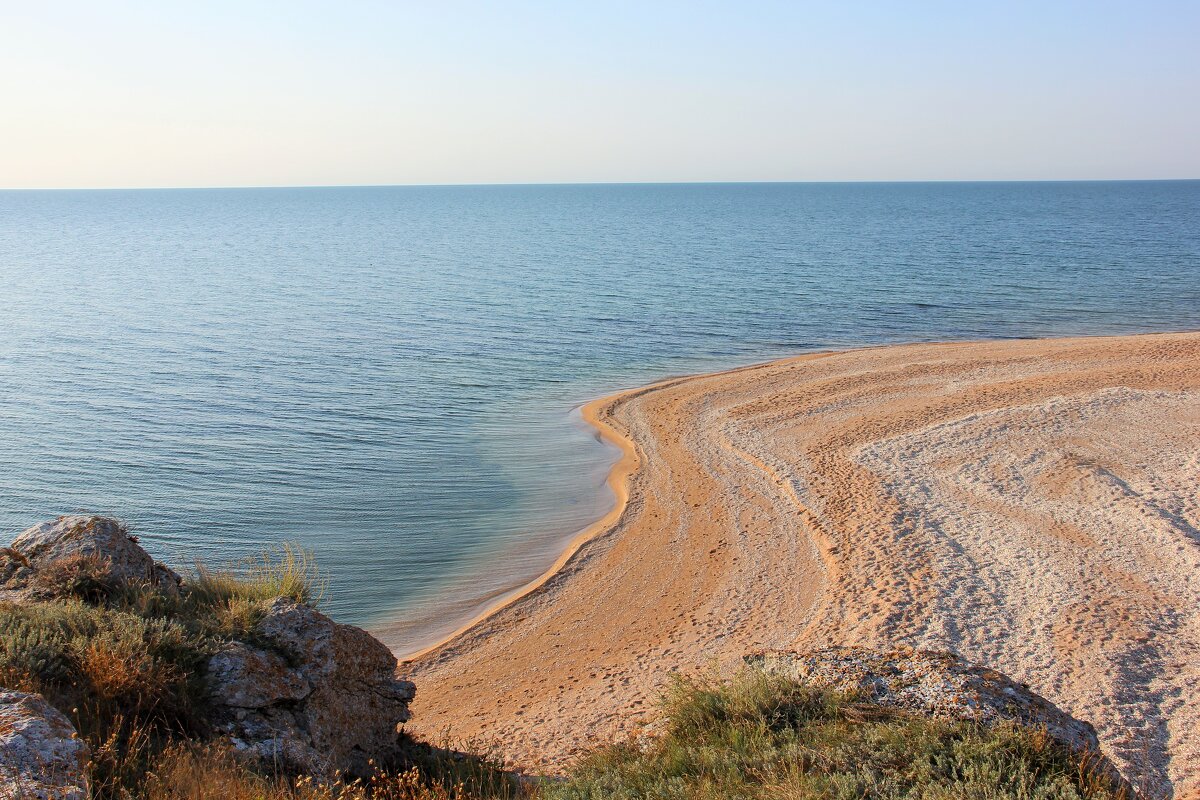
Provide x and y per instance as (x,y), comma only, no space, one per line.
(40,755)
(936,684)
(99,548)
(309,695)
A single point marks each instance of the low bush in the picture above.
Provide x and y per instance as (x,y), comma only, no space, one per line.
(120,662)
(82,577)
(760,736)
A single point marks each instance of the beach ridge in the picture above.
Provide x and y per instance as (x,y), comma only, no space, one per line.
(1025,503)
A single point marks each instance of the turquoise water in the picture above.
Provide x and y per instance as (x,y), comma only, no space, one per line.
(387,375)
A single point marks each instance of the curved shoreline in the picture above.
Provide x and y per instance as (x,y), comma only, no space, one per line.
(1028,504)
(594,412)
(617,481)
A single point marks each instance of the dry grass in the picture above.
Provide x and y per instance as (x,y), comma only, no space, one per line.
(231,600)
(18,558)
(124,750)
(123,664)
(202,773)
(767,737)
(286,571)
(83,577)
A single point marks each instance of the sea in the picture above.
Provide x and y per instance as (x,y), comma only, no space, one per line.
(390,377)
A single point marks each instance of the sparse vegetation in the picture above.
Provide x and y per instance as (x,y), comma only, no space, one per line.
(122,662)
(753,737)
(760,736)
(287,571)
(203,773)
(228,602)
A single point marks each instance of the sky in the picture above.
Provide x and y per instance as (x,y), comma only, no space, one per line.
(301,92)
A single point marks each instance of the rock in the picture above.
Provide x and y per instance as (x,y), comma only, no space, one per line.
(936,684)
(15,569)
(40,754)
(302,693)
(100,544)
(303,634)
(316,697)
(245,677)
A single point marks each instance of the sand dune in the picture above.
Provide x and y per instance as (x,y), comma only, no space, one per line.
(1032,505)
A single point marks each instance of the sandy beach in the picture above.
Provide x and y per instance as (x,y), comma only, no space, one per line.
(1032,505)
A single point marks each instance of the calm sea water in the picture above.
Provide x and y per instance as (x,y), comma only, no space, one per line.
(387,375)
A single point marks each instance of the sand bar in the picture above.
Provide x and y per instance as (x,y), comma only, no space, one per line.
(1030,504)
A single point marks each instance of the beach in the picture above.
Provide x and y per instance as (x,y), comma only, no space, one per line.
(1029,504)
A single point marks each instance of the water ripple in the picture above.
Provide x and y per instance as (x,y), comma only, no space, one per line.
(387,374)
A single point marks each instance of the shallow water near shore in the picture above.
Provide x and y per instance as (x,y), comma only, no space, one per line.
(390,375)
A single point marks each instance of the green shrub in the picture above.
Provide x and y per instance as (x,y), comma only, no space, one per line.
(760,736)
(119,663)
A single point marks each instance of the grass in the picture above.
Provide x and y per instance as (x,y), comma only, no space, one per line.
(767,737)
(753,737)
(230,601)
(123,661)
(287,571)
(203,773)
(134,648)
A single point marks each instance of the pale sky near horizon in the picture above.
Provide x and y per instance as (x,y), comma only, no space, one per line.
(257,93)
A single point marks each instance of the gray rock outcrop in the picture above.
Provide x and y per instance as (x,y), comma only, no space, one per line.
(103,544)
(299,692)
(40,755)
(309,695)
(936,684)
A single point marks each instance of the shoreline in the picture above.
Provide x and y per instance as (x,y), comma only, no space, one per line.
(617,480)
(626,464)
(810,500)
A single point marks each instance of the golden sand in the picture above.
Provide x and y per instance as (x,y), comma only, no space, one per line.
(1032,505)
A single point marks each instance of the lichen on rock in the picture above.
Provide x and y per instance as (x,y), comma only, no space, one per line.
(315,697)
(40,755)
(101,546)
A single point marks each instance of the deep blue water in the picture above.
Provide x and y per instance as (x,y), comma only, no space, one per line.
(386,374)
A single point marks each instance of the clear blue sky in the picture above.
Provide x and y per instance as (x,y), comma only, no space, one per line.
(285,93)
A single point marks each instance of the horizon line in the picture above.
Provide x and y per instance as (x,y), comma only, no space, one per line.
(501,184)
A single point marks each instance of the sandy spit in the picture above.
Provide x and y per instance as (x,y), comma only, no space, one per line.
(1032,505)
